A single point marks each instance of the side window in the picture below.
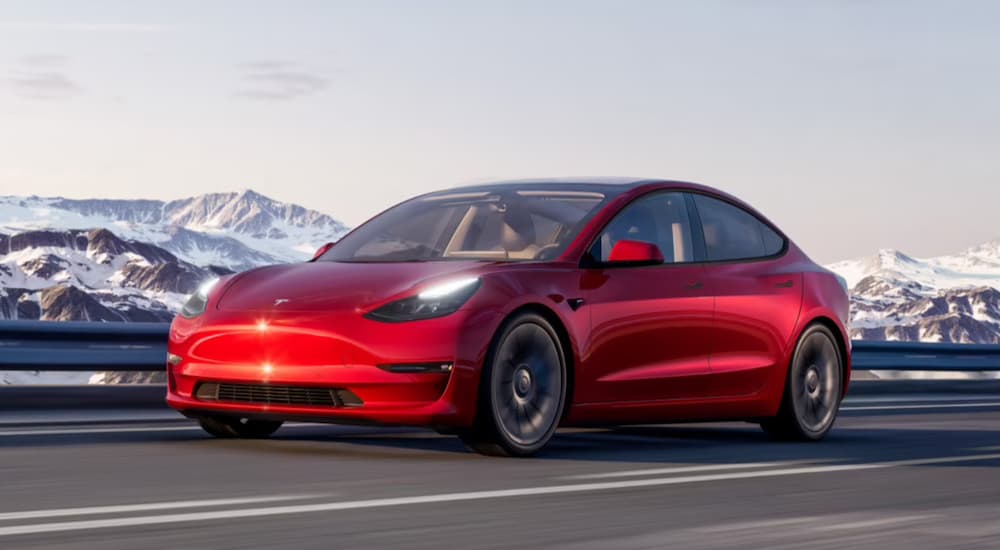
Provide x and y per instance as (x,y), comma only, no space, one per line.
(773,243)
(660,219)
(732,233)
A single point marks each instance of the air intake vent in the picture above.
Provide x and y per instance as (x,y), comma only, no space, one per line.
(348,399)
(264,394)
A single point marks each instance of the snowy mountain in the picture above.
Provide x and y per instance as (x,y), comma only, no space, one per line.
(945,299)
(231,230)
(136,260)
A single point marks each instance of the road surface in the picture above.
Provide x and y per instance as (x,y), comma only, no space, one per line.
(895,473)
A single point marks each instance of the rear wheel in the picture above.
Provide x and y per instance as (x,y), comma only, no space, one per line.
(230,427)
(522,391)
(813,389)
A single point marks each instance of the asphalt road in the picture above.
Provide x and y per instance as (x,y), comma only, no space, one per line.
(895,473)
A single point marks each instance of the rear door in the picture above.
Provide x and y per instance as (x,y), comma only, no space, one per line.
(651,325)
(758,296)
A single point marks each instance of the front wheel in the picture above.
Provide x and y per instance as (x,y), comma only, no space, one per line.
(813,389)
(522,390)
(231,427)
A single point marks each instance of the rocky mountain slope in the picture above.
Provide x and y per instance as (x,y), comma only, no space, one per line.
(136,260)
(232,230)
(945,299)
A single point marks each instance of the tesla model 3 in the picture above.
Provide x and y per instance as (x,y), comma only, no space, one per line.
(500,312)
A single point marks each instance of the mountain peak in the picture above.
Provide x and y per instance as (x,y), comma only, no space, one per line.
(888,256)
(235,230)
(247,212)
(251,194)
(947,298)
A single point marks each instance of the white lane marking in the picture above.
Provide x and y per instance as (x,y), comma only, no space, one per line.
(867,400)
(869,523)
(686,469)
(757,525)
(246,513)
(81,431)
(149,506)
(812,523)
(925,406)
(130,429)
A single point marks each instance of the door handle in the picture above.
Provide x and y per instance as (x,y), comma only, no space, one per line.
(787,284)
(695,286)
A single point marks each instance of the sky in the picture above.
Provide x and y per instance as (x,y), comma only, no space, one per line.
(853,125)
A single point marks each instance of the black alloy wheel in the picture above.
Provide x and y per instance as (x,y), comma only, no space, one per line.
(813,389)
(522,391)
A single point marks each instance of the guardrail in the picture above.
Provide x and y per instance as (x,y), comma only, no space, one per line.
(82,346)
(142,347)
(918,356)
(50,346)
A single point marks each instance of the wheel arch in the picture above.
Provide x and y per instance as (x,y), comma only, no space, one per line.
(839,338)
(565,342)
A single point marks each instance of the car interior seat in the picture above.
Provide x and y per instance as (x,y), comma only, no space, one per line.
(518,234)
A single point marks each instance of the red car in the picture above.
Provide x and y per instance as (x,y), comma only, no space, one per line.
(499,312)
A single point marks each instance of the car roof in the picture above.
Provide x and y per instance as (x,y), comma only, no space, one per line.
(609,186)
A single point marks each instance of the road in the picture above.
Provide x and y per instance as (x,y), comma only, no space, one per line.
(895,473)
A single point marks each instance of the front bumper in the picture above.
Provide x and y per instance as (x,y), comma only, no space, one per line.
(346,352)
(439,412)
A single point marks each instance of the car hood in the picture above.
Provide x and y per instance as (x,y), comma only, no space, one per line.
(327,286)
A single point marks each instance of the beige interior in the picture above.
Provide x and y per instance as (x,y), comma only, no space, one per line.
(516,235)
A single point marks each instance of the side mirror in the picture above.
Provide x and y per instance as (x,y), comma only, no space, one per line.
(322,250)
(626,252)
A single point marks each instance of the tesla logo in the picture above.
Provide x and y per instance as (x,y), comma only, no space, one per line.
(280,301)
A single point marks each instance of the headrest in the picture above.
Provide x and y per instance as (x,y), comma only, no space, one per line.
(518,231)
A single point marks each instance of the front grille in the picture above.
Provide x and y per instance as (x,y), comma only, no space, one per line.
(265,394)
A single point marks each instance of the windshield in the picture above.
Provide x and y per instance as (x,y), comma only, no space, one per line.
(483,225)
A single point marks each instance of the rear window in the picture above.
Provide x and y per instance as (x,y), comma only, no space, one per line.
(732,233)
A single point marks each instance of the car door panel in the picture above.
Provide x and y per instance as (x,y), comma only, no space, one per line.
(756,309)
(650,335)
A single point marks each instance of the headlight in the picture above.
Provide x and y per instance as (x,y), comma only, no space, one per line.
(198,301)
(436,301)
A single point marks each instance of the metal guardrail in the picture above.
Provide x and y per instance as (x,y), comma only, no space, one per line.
(82,346)
(142,347)
(918,356)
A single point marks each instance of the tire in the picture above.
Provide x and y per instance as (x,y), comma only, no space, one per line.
(522,390)
(231,427)
(813,389)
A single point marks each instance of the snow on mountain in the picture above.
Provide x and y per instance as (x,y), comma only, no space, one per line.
(232,230)
(944,299)
(136,260)
(91,275)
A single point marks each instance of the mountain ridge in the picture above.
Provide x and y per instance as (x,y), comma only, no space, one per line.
(137,260)
(951,298)
(237,230)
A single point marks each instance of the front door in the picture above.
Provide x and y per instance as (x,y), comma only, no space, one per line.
(651,325)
